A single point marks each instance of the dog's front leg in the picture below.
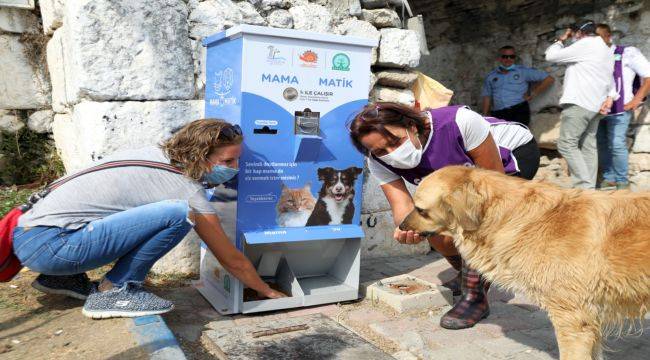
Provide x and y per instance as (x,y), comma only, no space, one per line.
(578,338)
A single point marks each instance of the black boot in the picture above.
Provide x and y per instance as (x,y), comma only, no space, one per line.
(472,307)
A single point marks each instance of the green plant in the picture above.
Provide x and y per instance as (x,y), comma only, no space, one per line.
(27,157)
(12,196)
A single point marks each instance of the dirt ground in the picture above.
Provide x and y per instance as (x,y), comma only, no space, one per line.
(34,325)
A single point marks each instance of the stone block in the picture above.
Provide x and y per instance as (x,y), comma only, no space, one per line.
(23,81)
(270,4)
(382,18)
(354,7)
(17,21)
(280,18)
(642,140)
(639,162)
(640,181)
(416,24)
(52,14)
(363,29)
(378,241)
(56,65)
(96,129)
(10,121)
(546,129)
(20,4)
(184,258)
(199,53)
(338,9)
(399,48)
(127,50)
(396,78)
(372,82)
(382,93)
(209,17)
(41,121)
(311,17)
(407,293)
(249,14)
(374,199)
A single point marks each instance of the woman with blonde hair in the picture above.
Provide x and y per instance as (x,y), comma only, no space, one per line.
(131,209)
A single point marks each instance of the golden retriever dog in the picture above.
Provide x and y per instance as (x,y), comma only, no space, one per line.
(582,255)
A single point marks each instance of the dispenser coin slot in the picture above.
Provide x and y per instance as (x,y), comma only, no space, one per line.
(307,122)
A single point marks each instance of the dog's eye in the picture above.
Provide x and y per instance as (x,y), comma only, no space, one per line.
(420,211)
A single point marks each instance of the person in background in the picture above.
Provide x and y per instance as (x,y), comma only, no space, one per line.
(630,67)
(588,95)
(404,144)
(508,88)
(132,216)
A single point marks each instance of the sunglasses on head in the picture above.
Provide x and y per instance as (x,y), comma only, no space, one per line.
(230,132)
(509,56)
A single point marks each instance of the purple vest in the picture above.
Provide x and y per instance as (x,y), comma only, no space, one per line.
(617,107)
(446,147)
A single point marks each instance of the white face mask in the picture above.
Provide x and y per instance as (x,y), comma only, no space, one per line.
(406,156)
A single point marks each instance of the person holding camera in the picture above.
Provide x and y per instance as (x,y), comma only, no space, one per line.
(588,95)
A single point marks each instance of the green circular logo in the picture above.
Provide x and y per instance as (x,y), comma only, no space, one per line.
(341,62)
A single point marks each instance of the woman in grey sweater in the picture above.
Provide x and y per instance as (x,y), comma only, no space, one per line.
(133,215)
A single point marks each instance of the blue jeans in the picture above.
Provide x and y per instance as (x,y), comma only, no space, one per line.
(612,147)
(135,239)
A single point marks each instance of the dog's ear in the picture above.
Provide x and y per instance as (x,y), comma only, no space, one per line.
(324,172)
(354,171)
(465,205)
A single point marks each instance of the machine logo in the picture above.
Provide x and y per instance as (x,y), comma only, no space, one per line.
(273,57)
(341,62)
(290,94)
(309,59)
(223,80)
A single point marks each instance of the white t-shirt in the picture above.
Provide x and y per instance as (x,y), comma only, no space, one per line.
(474,129)
(634,63)
(588,78)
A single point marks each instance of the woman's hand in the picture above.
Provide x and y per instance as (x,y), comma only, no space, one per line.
(407,237)
(273,294)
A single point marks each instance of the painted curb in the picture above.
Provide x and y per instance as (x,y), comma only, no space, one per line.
(152,333)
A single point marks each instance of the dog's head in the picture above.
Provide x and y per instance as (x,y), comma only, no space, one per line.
(338,184)
(450,200)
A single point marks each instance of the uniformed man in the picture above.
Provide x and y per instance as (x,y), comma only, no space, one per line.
(507,89)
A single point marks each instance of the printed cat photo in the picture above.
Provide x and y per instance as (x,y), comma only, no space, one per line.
(295,206)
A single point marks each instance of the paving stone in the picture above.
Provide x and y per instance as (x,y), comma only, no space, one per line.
(463,352)
(504,318)
(364,316)
(514,343)
(322,338)
(404,355)
(327,310)
(408,333)
(521,301)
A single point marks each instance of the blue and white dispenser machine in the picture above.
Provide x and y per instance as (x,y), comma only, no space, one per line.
(294,209)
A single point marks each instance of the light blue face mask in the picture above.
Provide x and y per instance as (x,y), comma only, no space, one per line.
(220,174)
(507,68)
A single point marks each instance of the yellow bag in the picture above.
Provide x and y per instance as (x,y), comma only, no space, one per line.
(430,93)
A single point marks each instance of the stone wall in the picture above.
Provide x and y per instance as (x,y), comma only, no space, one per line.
(117,74)
(463,51)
